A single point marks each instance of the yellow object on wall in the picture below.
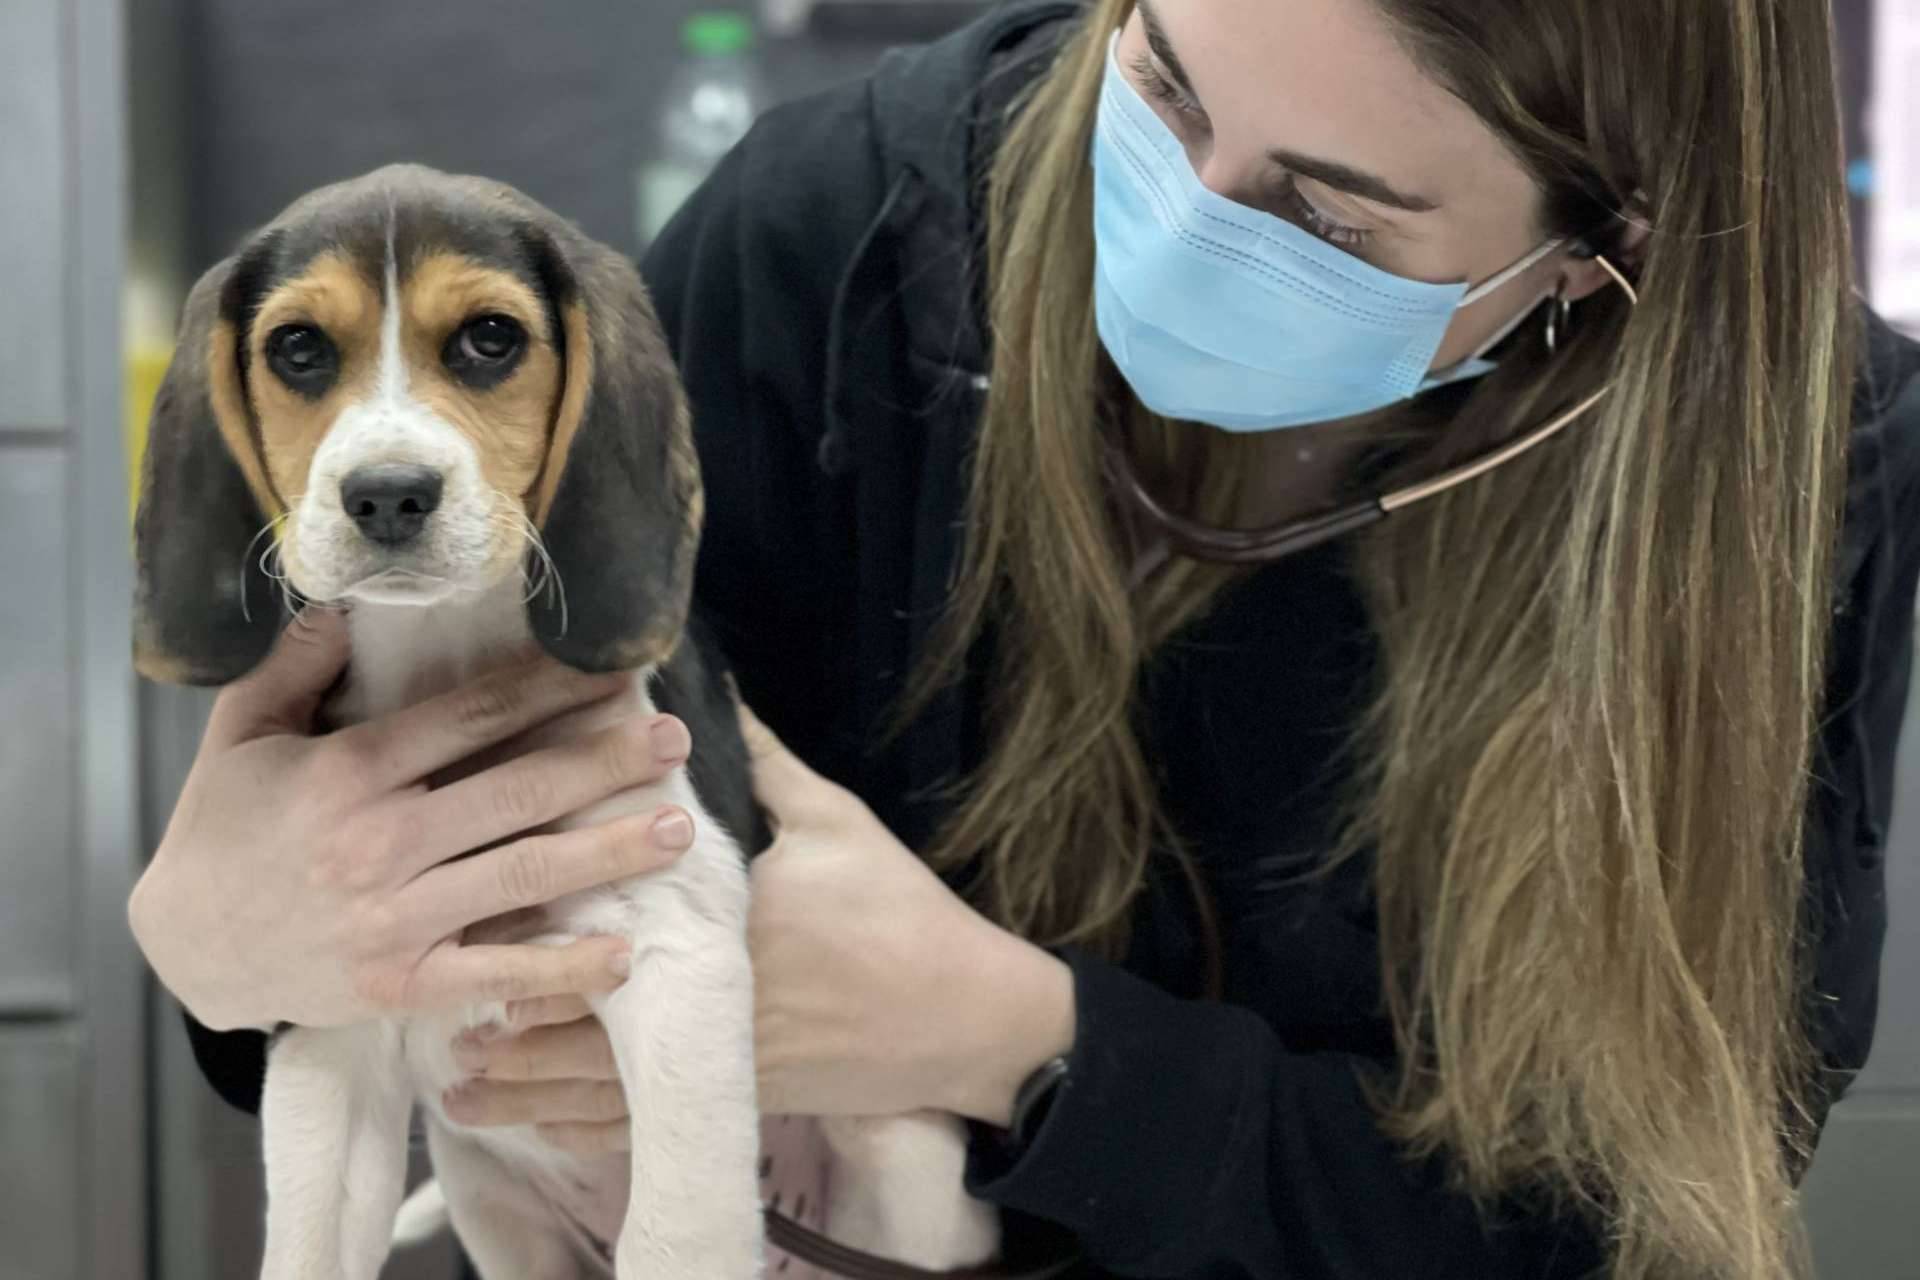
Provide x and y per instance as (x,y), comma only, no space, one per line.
(145,369)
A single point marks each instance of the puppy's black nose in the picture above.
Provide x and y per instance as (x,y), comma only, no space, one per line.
(390,501)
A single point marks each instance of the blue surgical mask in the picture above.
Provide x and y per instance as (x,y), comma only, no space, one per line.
(1222,314)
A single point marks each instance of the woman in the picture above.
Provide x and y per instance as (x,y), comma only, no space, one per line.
(1492,891)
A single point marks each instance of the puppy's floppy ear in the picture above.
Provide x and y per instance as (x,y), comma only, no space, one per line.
(204,611)
(618,502)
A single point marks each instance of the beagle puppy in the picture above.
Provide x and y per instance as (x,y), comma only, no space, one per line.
(429,398)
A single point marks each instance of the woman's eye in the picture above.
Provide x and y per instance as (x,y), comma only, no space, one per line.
(1156,85)
(490,339)
(1162,89)
(300,353)
(1308,215)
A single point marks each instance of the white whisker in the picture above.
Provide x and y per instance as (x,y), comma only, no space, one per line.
(246,612)
(272,568)
(545,577)
(549,581)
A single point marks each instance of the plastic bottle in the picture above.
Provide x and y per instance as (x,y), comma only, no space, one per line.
(711,102)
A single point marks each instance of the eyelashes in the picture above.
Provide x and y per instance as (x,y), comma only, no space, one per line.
(1287,192)
(1316,222)
(1161,89)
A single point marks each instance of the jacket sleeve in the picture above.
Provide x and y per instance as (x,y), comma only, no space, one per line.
(1187,1136)
(234,1062)
(1187,1139)
(1867,699)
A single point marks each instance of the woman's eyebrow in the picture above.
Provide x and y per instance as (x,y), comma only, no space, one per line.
(1355,182)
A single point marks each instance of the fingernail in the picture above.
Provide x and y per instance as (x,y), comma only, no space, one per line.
(673,830)
(621,962)
(670,740)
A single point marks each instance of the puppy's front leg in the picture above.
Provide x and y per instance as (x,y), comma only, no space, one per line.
(899,1191)
(682,1033)
(333,1118)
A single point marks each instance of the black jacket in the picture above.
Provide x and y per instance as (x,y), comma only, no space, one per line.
(822,296)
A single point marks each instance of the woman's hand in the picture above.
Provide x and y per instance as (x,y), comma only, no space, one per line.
(550,1066)
(307,879)
(877,990)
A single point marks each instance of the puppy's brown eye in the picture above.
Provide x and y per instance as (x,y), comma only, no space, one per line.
(491,339)
(303,357)
(485,350)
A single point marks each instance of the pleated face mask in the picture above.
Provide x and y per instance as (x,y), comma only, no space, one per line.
(1222,314)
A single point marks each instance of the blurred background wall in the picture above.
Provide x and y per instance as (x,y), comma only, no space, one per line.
(73,1148)
(139,141)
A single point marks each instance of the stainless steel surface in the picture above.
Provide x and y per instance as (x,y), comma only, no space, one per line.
(72,1063)
(40,1190)
(39,879)
(33,215)
(115,1241)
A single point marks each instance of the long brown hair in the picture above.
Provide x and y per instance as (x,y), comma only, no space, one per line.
(1584,773)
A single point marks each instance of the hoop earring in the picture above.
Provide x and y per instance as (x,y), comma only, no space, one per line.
(1559,318)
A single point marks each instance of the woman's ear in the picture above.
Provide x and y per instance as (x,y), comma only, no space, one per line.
(618,501)
(1581,274)
(205,612)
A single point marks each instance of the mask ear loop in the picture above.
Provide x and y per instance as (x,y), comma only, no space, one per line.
(1500,279)
(1259,546)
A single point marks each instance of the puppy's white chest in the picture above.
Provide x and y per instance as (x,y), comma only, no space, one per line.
(402,656)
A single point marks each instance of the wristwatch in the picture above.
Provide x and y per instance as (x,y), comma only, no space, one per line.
(1034,1099)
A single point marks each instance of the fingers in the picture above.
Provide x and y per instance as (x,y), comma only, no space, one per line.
(452,975)
(534,870)
(577,1050)
(283,692)
(782,782)
(531,790)
(612,1138)
(410,744)
(487,1103)
(544,1012)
